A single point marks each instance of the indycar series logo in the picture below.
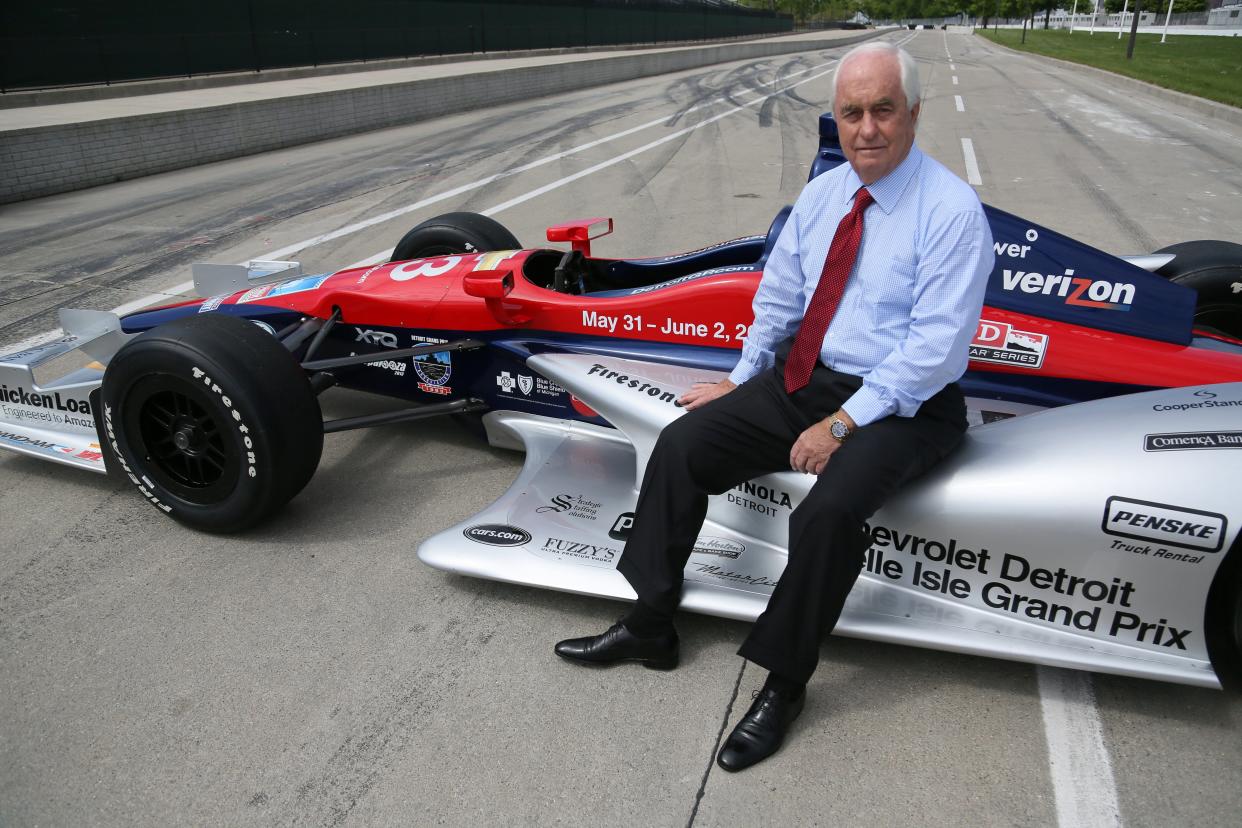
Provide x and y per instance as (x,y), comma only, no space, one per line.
(1001,343)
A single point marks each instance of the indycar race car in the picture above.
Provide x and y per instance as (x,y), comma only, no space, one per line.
(1088,520)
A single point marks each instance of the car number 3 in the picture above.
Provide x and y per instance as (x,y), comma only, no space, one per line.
(428,267)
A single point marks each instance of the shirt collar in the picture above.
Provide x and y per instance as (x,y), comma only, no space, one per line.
(887,191)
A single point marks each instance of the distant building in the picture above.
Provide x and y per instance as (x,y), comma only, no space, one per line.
(1230,15)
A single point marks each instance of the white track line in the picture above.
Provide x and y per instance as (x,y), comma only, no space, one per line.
(1078,761)
(972,165)
(1082,773)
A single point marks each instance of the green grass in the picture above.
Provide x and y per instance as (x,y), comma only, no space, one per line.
(1210,67)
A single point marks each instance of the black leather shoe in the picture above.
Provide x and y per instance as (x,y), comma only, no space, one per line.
(761,731)
(619,644)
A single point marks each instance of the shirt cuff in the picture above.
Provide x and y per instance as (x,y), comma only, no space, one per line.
(745,370)
(867,405)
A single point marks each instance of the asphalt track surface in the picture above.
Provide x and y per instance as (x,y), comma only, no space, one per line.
(314,672)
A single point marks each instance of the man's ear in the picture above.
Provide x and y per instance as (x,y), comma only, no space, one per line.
(914,112)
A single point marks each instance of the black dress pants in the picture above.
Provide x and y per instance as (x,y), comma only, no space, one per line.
(749,432)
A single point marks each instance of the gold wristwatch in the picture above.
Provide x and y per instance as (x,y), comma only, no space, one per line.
(839,429)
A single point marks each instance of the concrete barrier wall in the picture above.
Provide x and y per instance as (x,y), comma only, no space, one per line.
(55,159)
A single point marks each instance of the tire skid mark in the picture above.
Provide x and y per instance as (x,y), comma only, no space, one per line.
(389,722)
(1083,182)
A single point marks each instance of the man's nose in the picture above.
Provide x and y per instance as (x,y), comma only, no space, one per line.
(867,128)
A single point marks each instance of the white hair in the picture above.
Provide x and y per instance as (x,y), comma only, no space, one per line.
(909,69)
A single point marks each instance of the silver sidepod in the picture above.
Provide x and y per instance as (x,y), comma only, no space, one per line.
(1085,536)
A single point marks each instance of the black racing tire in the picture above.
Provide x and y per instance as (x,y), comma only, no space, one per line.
(454,233)
(213,420)
(1237,622)
(1214,270)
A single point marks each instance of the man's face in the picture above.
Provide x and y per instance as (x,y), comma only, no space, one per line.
(876,125)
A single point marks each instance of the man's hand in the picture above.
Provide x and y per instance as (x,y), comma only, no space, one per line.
(815,445)
(701,393)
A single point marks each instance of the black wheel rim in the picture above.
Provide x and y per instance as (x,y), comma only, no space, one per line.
(183,439)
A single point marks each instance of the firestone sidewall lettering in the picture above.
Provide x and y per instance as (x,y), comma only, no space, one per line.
(201,375)
(144,484)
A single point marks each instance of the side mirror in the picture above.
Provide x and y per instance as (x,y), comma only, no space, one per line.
(488,284)
(493,287)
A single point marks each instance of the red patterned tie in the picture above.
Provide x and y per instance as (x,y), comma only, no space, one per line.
(837,267)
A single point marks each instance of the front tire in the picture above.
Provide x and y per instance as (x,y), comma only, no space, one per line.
(454,233)
(213,420)
(1214,270)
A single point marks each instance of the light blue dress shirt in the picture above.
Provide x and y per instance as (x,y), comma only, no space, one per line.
(913,300)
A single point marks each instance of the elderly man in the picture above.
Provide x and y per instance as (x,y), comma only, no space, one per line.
(863,320)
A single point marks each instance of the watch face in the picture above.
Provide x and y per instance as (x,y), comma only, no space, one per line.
(839,430)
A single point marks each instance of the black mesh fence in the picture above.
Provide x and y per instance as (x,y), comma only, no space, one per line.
(45,44)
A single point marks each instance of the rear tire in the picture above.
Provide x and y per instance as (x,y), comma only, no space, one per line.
(213,420)
(1214,270)
(454,233)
